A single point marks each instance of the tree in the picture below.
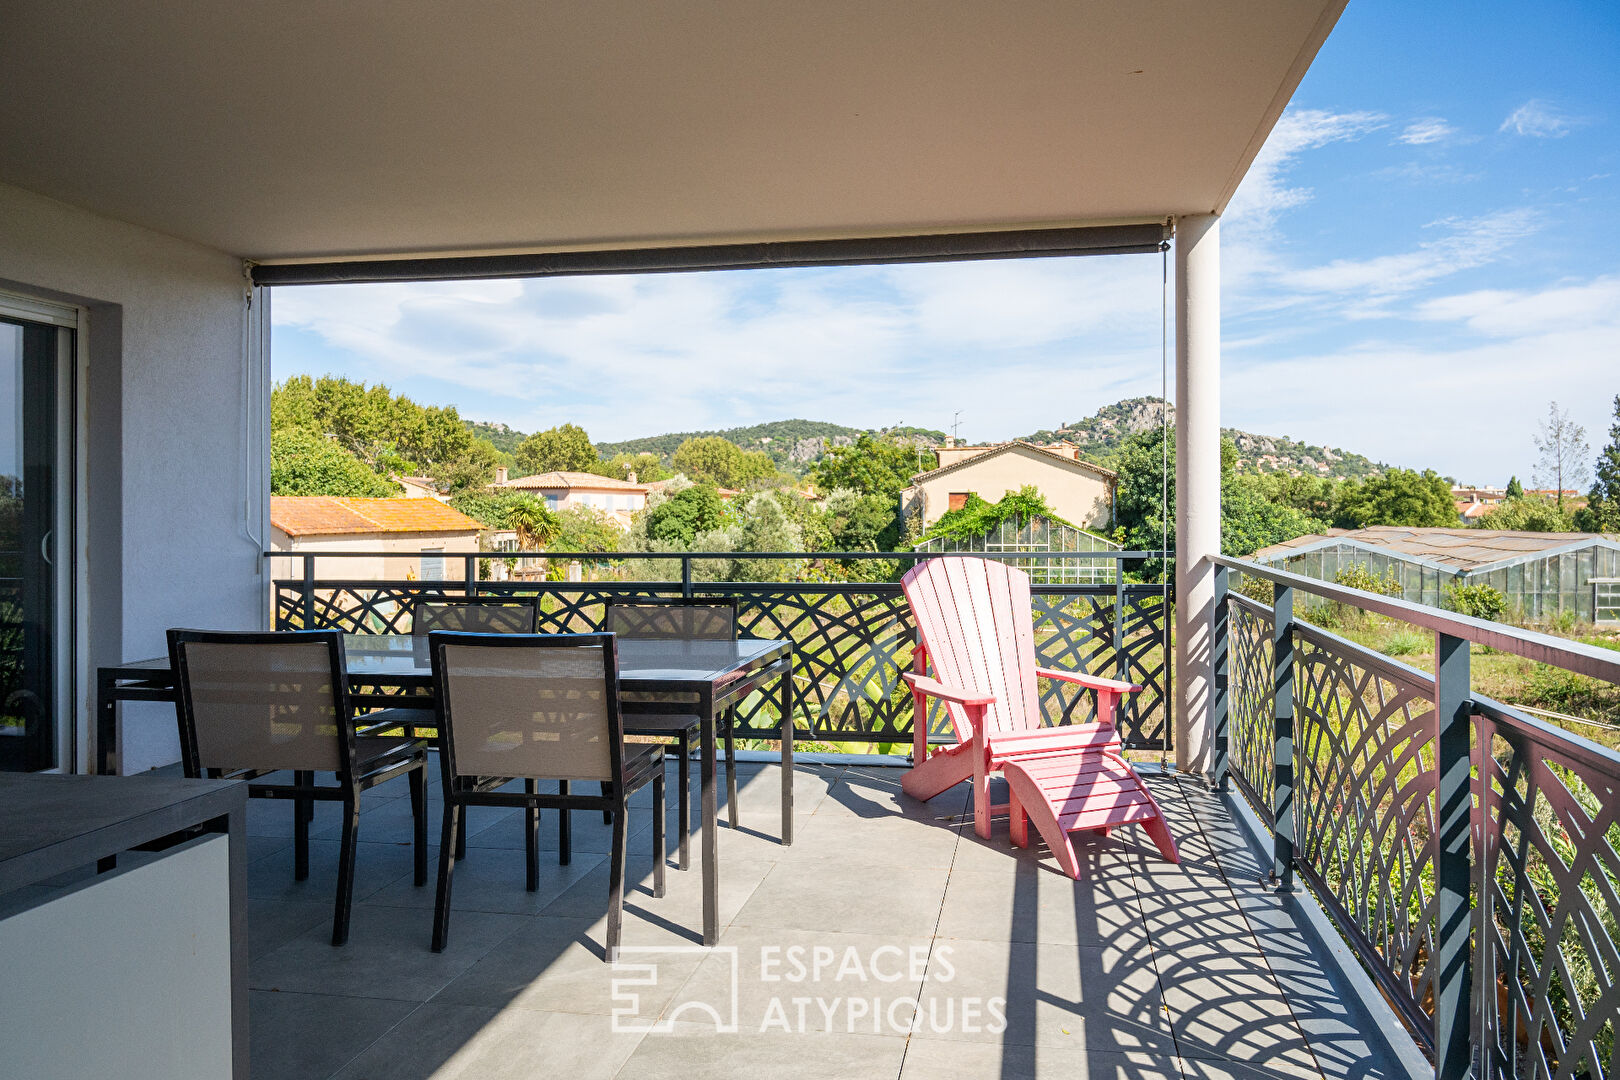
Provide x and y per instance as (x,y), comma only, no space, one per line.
(389,433)
(560,449)
(302,463)
(1602,510)
(583,529)
(1526,514)
(1561,450)
(1515,490)
(527,515)
(679,518)
(473,468)
(857,522)
(1314,496)
(1249,519)
(871,465)
(1397,497)
(764,526)
(712,459)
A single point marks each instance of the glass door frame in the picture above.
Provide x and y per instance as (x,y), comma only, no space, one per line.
(65,326)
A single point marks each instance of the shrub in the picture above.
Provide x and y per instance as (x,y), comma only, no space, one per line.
(1404,643)
(1477,601)
(1358,576)
(1257,589)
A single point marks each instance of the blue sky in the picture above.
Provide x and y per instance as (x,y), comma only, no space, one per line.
(1422,258)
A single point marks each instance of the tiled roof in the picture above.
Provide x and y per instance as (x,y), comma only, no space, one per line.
(1041,453)
(326,515)
(553,481)
(1461,549)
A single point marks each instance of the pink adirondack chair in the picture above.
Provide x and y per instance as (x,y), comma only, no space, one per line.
(975,629)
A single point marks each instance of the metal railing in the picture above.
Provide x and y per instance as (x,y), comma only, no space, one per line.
(852,639)
(1465,850)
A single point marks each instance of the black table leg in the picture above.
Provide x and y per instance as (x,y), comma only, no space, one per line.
(106,724)
(711,823)
(787,757)
(106,736)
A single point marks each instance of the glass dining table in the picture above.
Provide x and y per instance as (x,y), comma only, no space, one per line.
(674,676)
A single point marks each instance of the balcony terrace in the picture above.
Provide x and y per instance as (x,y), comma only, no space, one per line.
(1141,969)
(1306,931)
(1443,871)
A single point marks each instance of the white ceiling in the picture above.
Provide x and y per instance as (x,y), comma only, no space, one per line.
(295,129)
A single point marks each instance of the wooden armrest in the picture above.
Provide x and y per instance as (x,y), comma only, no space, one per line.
(1092,682)
(924,685)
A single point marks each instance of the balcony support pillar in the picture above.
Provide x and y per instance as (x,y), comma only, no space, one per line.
(1198,483)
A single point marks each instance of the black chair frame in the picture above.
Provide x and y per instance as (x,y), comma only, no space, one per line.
(684,730)
(363,773)
(629,774)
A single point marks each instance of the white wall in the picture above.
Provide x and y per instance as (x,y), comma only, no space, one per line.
(175,433)
(129,976)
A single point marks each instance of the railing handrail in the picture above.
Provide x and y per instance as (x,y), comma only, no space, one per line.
(1582,659)
(1387,666)
(678,555)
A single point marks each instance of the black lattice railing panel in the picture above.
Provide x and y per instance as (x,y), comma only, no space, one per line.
(1547,830)
(851,645)
(849,650)
(1250,724)
(1365,775)
(1076,632)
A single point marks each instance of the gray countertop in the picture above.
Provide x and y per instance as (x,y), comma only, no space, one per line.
(50,824)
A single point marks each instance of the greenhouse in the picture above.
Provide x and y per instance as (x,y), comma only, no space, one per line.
(1033,536)
(1542,575)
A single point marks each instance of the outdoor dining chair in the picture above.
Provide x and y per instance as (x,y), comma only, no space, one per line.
(475,615)
(543,707)
(251,704)
(682,618)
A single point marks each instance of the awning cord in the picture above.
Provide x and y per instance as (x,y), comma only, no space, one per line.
(1164,492)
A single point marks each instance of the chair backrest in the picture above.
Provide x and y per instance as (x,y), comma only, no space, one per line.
(528,705)
(476,615)
(262,702)
(675,618)
(974,618)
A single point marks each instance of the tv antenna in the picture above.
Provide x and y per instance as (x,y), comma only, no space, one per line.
(956,426)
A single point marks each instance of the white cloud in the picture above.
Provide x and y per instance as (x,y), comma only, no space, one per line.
(1425,130)
(1465,245)
(1466,408)
(1264,194)
(627,356)
(1538,119)
(1593,304)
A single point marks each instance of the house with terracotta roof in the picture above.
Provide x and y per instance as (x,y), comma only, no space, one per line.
(1077,490)
(414,539)
(617,499)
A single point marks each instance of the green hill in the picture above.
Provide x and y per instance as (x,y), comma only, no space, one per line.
(793,445)
(1099,438)
(506,439)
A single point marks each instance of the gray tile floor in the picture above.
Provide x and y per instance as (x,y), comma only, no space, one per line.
(889,941)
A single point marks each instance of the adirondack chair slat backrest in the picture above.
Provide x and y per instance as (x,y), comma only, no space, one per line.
(974,618)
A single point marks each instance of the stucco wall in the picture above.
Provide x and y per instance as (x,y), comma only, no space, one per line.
(1079,497)
(405,565)
(174,429)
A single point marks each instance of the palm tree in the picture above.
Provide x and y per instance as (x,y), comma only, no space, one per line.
(533,521)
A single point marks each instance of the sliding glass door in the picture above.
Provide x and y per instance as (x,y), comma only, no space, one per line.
(30,606)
